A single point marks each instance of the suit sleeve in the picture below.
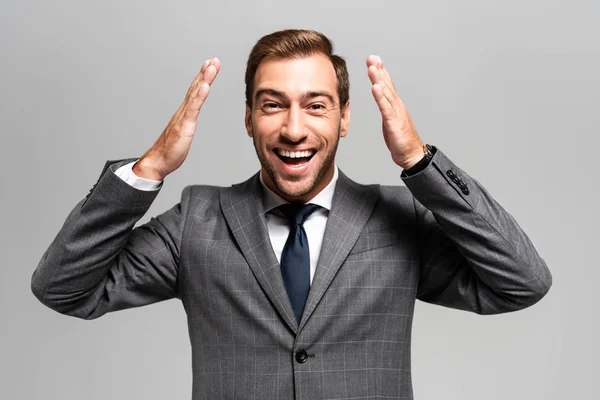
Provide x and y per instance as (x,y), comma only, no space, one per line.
(99,263)
(474,255)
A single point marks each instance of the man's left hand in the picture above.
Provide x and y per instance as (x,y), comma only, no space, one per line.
(399,132)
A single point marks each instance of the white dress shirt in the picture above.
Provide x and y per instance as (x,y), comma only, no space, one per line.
(277,223)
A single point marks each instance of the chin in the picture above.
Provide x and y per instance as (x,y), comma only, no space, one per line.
(295,188)
(295,183)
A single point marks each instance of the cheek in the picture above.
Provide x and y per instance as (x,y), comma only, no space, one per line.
(325,129)
(266,128)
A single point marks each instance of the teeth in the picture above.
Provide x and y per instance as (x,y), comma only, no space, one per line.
(295,154)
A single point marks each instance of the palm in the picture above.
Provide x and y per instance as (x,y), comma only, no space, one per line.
(398,129)
(173,145)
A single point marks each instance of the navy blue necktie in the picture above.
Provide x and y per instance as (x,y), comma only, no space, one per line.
(295,258)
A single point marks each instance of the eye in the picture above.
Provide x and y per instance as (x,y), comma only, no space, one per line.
(270,106)
(317,108)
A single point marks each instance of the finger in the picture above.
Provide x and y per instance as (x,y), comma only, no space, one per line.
(198,92)
(385,107)
(197,101)
(209,75)
(385,75)
(371,60)
(202,75)
(379,75)
(375,75)
(206,64)
(217,63)
(193,89)
(193,106)
(389,91)
(389,94)
(211,70)
(207,78)
(377,79)
(203,92)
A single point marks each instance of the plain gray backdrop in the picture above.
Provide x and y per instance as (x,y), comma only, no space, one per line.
(507,89)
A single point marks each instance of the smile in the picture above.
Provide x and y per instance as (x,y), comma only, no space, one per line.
(295,158)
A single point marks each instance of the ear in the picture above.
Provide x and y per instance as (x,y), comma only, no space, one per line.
(345,120)
(248,120)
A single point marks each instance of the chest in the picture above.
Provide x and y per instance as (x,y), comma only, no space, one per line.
(379,273)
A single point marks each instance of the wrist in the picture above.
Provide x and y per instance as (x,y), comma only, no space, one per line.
(413,157)
(146,168)
(422,164)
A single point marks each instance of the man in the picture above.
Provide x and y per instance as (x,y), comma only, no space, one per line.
(294,300)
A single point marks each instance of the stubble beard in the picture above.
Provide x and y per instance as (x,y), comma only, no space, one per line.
(292,190)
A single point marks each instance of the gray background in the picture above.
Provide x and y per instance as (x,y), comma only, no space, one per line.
(507,89)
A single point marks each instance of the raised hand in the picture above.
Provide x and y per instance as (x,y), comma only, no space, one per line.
(173,145)
(399,132)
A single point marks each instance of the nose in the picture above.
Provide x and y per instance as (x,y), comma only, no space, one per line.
(293,128)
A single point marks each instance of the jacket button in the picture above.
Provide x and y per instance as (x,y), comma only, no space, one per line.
(450,174)
(301,356)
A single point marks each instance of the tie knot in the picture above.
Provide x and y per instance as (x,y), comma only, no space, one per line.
(298,213)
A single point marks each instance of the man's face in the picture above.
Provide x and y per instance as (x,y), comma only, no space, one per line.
(295,123)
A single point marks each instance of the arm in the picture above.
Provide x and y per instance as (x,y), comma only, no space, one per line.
(125,172)
(474,255)
(98,263)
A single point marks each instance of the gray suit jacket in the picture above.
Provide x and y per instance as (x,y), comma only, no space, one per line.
(442,240)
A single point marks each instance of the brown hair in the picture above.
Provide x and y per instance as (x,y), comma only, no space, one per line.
(293,43)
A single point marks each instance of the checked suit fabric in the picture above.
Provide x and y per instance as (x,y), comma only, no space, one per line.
(383,248)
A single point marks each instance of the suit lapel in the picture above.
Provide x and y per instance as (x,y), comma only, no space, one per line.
(242,206)
(350,210)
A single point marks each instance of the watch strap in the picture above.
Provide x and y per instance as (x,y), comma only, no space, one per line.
(423,162)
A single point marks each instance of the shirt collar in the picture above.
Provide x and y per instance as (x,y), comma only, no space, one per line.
(324,198)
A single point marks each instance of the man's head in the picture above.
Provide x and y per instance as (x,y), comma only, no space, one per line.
(297,108)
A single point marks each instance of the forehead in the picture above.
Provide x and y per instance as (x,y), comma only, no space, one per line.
(295,76)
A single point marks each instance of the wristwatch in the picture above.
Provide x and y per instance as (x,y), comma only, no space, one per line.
(423,162)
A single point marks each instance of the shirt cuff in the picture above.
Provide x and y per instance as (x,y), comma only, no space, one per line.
(126,174)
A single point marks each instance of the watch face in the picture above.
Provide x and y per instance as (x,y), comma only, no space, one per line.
(429,150)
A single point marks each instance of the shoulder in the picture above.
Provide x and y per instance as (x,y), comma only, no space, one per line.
(201,193)
(395,202)
(212,199)
(387,196)
(398,194)
(200,200)
(392,205)
(393,208)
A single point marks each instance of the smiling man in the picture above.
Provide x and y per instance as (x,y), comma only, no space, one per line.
(299,282)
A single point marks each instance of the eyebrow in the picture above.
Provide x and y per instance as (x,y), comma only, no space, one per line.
(281,95)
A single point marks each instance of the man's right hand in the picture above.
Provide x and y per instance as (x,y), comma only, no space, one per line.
(173,145)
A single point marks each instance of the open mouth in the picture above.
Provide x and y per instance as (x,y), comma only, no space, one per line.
(295,158)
